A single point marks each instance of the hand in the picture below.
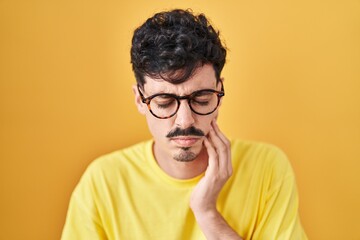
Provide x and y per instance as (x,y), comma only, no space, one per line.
(204,196)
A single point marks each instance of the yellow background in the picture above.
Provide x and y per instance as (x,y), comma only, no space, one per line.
(292,79)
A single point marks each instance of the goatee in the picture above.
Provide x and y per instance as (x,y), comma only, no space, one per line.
(185,155)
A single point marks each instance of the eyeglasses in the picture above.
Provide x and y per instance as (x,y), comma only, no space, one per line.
(166,105)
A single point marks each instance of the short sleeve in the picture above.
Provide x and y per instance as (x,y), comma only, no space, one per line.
(280,217)
(82,220)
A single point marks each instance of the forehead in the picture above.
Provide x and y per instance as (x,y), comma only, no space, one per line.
(203,78)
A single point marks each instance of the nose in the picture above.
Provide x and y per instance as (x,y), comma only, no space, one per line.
(184,117)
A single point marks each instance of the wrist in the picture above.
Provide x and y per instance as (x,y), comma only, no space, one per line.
(206,216)
(214,226)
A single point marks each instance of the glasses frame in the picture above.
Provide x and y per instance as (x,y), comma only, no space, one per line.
(189,97)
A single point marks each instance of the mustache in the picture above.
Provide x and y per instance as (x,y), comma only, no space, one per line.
(191,131)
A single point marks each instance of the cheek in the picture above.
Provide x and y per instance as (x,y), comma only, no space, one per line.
(205,123)
(159,128)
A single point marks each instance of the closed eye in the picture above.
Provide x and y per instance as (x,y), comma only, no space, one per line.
(201,103)
(163,101)
(164,105)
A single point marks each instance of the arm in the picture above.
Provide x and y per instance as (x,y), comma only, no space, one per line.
(80,224)
(204,196)
(82,220)
(279,219)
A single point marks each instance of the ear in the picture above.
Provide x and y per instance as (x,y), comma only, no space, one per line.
(139,104)
(222,80)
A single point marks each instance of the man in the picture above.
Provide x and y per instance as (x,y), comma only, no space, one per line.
(190,181)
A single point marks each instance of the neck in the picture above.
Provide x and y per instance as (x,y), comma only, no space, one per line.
(181,170)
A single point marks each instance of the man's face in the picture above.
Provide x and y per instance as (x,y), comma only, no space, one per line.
(181,136)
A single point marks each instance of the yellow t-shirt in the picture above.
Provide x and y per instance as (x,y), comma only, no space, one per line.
(126,195)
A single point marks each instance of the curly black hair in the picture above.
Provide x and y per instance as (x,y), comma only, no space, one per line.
(172,45)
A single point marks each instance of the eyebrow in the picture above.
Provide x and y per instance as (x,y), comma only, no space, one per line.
(162,92)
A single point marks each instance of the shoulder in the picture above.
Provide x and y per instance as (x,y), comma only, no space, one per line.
(246,148)
(118,161)
(259,157)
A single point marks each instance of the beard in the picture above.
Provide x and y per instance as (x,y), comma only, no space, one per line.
(185,155)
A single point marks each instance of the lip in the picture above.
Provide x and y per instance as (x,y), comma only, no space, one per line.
(185,141)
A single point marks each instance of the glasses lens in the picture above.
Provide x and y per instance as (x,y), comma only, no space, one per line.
(163,106)
(204,102)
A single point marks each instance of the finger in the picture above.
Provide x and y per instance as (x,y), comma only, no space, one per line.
(213,163)
(227,144)
(221,150)
(219,133)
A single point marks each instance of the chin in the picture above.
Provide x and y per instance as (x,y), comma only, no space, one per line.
(187,154)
